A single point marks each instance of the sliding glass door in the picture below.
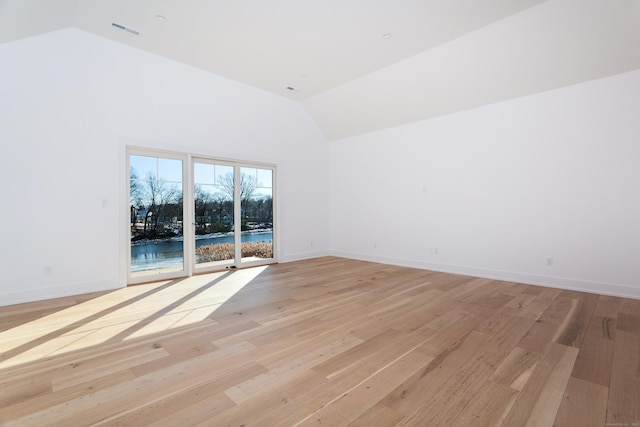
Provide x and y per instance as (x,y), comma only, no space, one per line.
(233,207)
(195,214)
(256,211)
(157,212)
(213,203)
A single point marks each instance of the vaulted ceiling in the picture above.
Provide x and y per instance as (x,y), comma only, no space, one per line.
(363,65)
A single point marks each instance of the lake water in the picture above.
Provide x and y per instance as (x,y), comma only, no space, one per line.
(168,254)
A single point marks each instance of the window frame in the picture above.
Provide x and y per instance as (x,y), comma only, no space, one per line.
(190,267)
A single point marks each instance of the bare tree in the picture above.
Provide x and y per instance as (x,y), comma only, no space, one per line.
(203,205)
(248,184)
(157,196)
(220,199)
(135,193)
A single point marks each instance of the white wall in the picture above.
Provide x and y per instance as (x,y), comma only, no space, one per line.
(552,45)
(70,101)
(499,189)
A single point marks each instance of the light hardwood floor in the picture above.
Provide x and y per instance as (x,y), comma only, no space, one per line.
(328,341)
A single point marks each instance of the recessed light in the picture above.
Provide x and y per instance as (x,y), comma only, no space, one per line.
(386,36)
(161,17)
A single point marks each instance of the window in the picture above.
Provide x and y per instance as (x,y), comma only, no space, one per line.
(229,206)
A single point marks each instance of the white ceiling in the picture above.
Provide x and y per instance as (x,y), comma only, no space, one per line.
(309,45)
(440,56)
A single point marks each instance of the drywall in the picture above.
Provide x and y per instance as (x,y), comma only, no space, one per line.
(554,44)
(70,102)
(20,18)
(503,190)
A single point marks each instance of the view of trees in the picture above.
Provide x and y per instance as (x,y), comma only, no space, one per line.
(156,206)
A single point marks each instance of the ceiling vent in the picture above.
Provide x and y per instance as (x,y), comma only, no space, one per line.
(127,29)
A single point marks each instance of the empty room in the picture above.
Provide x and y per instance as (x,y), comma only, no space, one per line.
(338,213)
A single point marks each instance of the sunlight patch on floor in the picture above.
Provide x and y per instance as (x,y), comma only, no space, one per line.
(123,314)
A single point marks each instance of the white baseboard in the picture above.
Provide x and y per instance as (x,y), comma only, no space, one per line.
(602,288)
(613,289)
(39,294)
(302,256)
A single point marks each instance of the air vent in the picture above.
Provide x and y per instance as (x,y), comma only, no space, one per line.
(127,29)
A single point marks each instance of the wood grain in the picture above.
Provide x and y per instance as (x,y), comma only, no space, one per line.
(328,341)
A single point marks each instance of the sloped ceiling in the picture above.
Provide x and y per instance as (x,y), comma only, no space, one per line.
(556,44)
(363,65)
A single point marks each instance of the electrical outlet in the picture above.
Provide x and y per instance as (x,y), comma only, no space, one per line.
(549,262)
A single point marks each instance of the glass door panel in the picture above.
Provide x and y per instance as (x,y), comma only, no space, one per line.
(256,210)
(156,216)
(229,207)
(214,224)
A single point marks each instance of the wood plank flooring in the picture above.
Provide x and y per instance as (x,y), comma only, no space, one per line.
(328,341)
